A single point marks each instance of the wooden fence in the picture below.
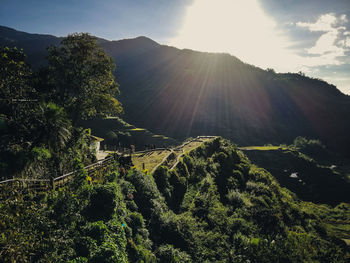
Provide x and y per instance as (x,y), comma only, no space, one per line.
(46,184)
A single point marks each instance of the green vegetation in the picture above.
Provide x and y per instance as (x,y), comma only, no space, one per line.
(80,74)
(336,220)
(80,223)
(307,168)
(250,106)
(264,148)
(149,159)
(207,202)
(39,110)
(215,206)
(137,129)
(118,133)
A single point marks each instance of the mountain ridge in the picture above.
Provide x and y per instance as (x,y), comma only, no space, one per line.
(183,93)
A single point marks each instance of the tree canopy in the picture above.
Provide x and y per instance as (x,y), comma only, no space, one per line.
(81,76)
(39,109)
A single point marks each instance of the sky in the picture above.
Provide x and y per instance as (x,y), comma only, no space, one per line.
(312,36)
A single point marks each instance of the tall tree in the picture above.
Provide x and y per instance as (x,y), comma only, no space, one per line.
(16,95)
(81,74)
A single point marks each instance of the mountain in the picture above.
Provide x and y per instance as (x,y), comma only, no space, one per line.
(117,132)
(183,93)
(34,45)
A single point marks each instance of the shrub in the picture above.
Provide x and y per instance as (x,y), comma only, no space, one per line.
(235,198)
(167,253)
(109,252)
(102,203)
(111,177)
(97,231)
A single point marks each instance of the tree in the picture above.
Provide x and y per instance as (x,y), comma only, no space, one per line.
(54,128)
(81,74)
(14,79)
(17,97)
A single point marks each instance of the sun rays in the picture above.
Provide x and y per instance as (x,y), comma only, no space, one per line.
(237,27)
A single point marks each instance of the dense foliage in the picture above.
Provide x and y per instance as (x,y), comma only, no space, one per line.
(63,225)
(81,77)
(308,169)
(39,109)
(215,206)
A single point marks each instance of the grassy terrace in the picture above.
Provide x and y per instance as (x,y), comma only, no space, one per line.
(264,148)
(153,158)
(150,159)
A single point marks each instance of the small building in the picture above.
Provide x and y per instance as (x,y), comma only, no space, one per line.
(96,143)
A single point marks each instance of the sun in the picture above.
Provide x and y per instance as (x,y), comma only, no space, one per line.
(238,27)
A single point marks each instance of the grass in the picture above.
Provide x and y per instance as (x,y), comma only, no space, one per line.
(150,159)
(189,147)
(137,129)
(154,158)
(127,134)
(336,219)
(264,148)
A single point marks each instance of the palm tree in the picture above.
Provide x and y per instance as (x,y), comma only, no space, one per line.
(55,128)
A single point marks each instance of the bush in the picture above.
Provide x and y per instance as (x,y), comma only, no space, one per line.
(102,203)
(97,231)
(109,253)
(235,199)
(167,253)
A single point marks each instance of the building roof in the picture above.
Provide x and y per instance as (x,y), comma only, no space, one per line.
(95,138)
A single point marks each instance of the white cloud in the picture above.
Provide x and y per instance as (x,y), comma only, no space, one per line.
(332,44)
(326,45)
(323,24)
(343,18)
(347,42)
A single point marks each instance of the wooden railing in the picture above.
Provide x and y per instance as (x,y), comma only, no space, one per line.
(32,184)
(45,184)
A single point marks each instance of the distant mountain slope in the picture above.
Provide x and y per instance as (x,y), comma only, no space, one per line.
(303,175)
(117,133)
(184,93)
(34,45)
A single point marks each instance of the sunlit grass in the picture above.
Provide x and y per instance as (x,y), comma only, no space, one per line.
(264,148)
(150,159)
(137,129)
(153,158)
(189,147)
(160,136)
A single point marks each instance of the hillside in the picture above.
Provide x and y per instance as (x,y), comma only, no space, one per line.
(213,206)
(201,201)
(181,93)
(307,177)
(118,133)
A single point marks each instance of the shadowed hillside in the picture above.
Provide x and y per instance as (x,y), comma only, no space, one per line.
(183,93)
